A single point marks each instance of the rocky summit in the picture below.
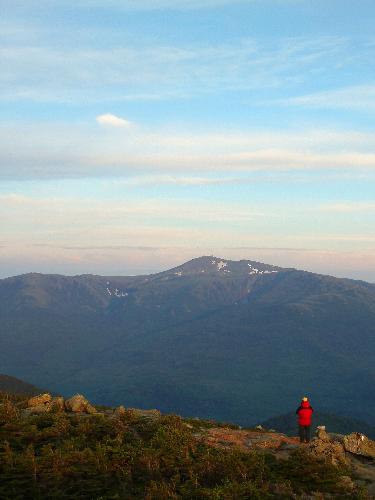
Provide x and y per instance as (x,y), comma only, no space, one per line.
(131,453)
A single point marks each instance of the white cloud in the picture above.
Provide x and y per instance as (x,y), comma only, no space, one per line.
(176,158)
(113,121)
(359,97)
(127,71)
(349,207)
(84,210)
(148,180)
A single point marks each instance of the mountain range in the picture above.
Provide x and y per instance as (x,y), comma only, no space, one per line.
(238,341)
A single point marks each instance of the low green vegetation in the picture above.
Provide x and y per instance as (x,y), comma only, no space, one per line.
(129,456)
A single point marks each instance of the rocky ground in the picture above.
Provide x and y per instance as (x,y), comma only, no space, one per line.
(354,451)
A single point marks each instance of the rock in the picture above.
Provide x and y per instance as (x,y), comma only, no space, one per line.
(359,444)
(120,411)
(58,404)
(147,414)
(40,400)
(38,409)
(321,433)
(39,404)
(249,440)
(336,437)
(79,404)
(332,451)
(44,403)
(288,446)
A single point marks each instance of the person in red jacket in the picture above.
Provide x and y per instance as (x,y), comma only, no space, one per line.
(304,412)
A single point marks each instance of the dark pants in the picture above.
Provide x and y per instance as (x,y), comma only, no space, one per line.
(304,433)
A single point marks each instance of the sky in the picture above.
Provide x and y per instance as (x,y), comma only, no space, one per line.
(138,134)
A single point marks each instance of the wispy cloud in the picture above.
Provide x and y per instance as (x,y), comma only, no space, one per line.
(60,210)
(149,5)
(146,157)
(124,72)
(349,207)
(149,180)
(359,97)
(163,4)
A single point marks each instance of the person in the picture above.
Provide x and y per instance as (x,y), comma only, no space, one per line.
(304,412)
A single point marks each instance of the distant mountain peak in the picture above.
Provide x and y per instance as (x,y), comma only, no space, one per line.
(211,264)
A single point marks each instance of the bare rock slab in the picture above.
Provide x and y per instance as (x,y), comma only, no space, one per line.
(359,444)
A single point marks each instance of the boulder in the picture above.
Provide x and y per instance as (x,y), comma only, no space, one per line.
(79,404)
(321,433)
(332,451)
(359,444)
(120,411)
(40,400)
(58,404)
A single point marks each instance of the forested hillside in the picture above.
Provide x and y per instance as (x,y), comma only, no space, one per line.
(237,341)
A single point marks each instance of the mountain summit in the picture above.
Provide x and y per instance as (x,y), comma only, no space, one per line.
(213,265)
(233,340)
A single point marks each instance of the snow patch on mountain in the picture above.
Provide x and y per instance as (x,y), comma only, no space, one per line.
(254,270)
(221,265)
(115,291)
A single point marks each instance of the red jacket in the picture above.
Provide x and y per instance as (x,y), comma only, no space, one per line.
(304,413)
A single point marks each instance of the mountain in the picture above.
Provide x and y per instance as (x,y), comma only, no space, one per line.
(15,386)
(287,424)
(236,341)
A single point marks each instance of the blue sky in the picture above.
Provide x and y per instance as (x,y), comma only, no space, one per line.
(135,135)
